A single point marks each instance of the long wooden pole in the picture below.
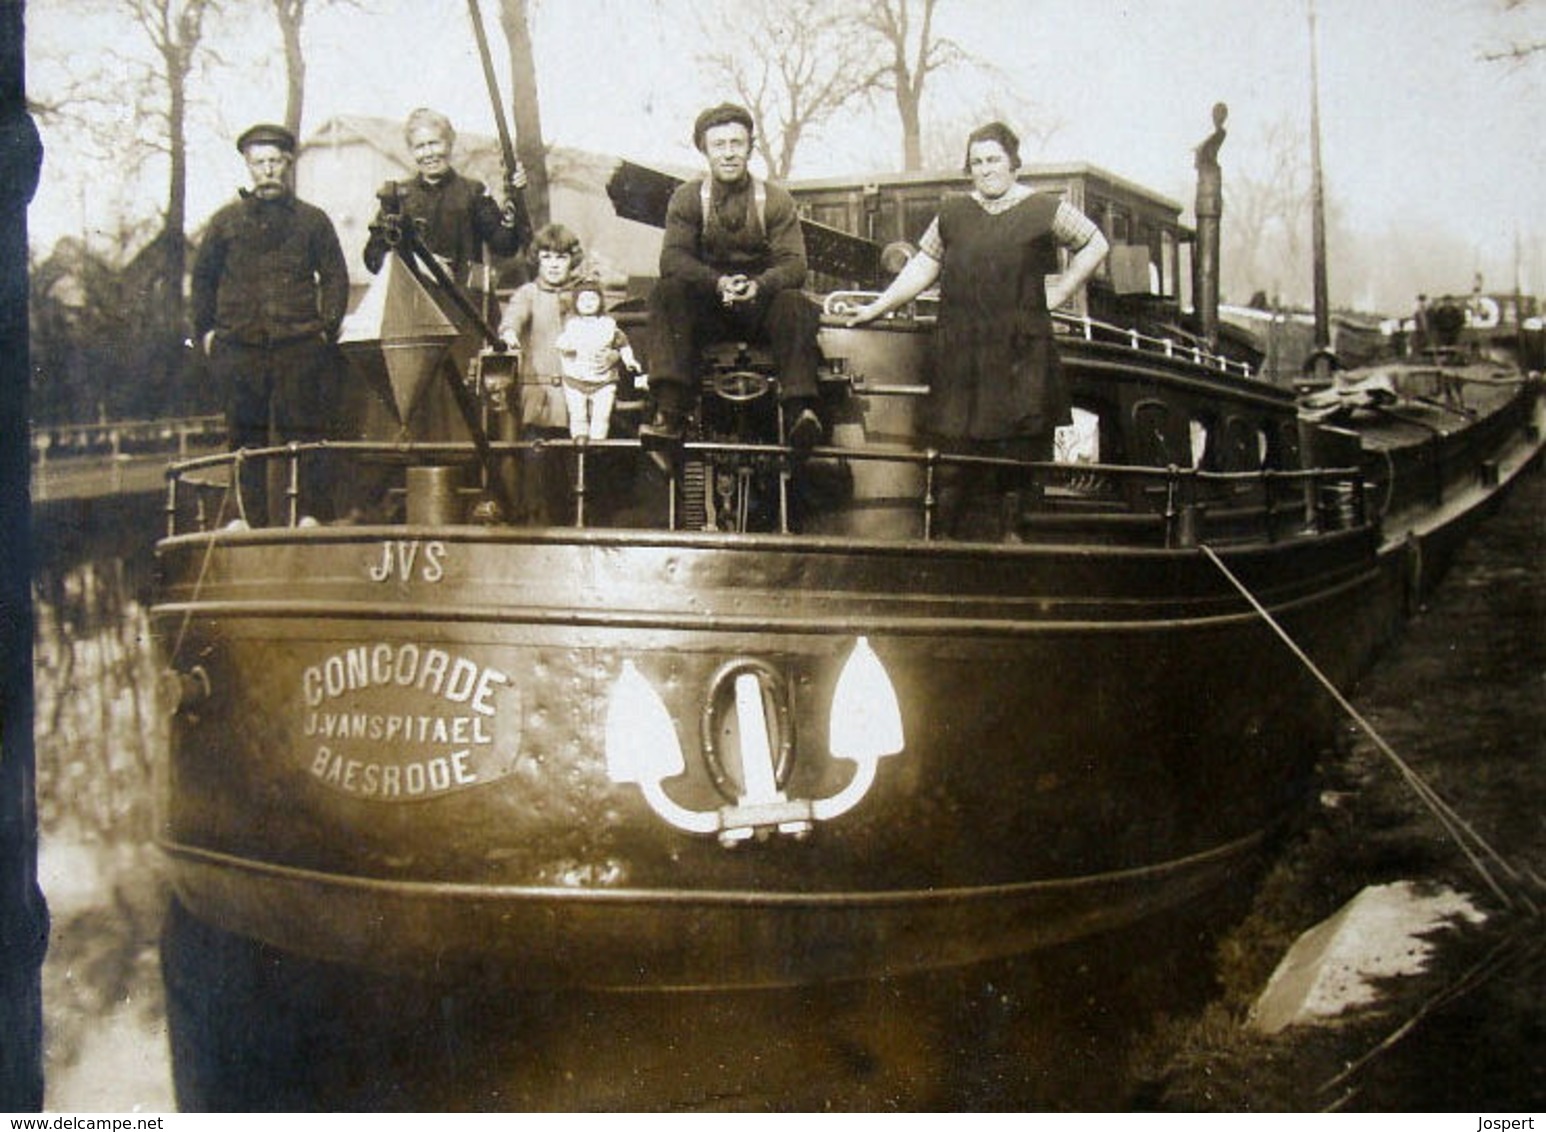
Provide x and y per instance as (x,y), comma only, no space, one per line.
(1318,218)
(506,144)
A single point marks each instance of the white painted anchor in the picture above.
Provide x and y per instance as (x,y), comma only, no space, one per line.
(642,747)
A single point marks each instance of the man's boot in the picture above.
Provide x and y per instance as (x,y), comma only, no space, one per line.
(661,436)
(803,430)
(663,430)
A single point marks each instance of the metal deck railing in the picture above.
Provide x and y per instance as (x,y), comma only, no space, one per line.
(1084,502)
(839,304)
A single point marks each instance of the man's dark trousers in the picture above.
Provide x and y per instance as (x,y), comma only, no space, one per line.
(685,316)
(296,380)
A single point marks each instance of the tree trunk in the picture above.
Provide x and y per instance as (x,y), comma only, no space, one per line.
(177,194)
(891,22)
(290,16)
(526,115)
(912,130)
(178,44)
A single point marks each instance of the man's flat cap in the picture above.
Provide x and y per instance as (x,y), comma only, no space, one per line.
(266,133)
(722,115)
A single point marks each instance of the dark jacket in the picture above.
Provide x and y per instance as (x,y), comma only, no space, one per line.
(735,240)
(460,218)
(269,271)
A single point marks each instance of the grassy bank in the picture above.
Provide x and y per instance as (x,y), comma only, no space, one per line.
(1462,700)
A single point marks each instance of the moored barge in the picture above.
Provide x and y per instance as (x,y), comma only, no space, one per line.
(751,722)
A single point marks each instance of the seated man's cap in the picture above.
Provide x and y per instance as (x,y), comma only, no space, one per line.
(266,133)
(721,115)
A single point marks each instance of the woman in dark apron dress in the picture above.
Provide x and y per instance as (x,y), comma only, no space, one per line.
(997,389)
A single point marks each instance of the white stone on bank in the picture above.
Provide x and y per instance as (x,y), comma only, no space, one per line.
(1373,936)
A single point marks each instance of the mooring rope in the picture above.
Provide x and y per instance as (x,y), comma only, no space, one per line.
(1471,843)
(1520,948)
(1516,949)
(198,582)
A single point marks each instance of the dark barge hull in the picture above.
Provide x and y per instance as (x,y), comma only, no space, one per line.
(677,939)
(1090,736)
(399,747)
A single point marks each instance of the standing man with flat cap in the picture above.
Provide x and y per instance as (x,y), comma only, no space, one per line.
(270,288)
(731,266)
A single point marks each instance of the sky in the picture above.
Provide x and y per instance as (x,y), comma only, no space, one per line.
(1421,139)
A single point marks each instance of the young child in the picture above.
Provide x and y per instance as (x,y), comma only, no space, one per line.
(591,348)
(532,322)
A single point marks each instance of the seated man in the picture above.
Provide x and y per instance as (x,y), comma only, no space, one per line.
(731,266)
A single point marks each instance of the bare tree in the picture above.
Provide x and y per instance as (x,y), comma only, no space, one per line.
(175,29)
(794,64)
(525,111)
(1515,51)
(290,15)
(914,51)
(1266,227)
(943,142)
(128,107)
(1267,203)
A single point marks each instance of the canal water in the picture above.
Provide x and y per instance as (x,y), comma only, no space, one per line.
(97,731)
(1053,1032)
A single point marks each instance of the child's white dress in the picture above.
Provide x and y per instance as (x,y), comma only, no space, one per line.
(590,348)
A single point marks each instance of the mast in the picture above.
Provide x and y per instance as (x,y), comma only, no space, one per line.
(1322,353)
(1210,208)
(1519,289)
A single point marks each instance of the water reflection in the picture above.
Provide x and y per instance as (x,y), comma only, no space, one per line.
(97,732)
(96,720)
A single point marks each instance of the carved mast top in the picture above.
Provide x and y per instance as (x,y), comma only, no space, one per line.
(1208,151)
(1210,209)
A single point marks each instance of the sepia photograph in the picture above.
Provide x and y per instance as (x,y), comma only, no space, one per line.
(773,556)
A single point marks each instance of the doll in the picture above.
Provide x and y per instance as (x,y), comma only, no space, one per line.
(591,350)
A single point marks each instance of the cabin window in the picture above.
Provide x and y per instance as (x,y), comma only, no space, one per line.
(1131,271)
(1185,275)
(1155,442)
(832,216)
(1242,446)
(917,215)
(1120,224)
(1078,443)
(1168,264)
(1285,453)
(1197,433)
